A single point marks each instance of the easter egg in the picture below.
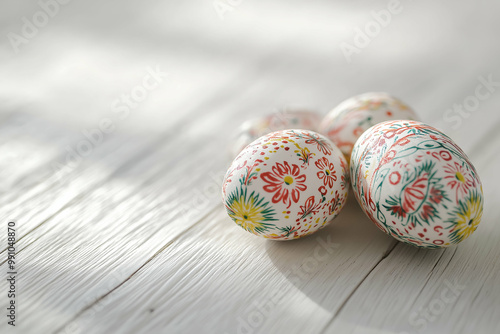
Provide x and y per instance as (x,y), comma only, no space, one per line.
(288,119)
(416,184)
(345,123)
(286,185)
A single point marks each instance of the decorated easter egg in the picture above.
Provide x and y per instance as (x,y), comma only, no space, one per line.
(416,184)
(287,119)
(286,185)
(345,123)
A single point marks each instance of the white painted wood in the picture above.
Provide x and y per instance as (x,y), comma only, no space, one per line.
(134,238)
(296,282)
(455,290)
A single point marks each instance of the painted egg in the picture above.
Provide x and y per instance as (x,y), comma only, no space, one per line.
(286,185)
(416,184)
(288,119)
(345,123)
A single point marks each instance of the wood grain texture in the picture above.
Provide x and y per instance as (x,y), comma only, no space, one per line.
(134,239)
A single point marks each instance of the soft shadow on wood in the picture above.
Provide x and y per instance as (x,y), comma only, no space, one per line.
(327,264)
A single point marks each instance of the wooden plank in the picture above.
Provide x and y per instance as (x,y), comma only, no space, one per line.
(121,150)
(234,276)
(114,248)
(191,273)
(455,290)
(130,210)
(118,225)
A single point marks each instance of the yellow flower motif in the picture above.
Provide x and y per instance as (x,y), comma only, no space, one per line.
(460,177)
(469,216)
(249,212)
(304,154)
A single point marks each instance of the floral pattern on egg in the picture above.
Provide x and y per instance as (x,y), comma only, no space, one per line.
(416,184)
(345,123)
(288,119)
(286,185)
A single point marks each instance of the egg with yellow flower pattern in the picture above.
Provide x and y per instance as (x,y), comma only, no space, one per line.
(286,185)
(416,184)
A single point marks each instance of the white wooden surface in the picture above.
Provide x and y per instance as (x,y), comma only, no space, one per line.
(134,238)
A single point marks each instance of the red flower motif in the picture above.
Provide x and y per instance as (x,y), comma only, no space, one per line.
(428,212)
(322,190)
(398,211)
(285,182)
(458,178)
(309,208)
(415,193)
(335,203)
(327,173)
(436,195)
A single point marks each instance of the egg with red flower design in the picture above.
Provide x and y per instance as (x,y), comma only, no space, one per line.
(346,122)
(286,184)
(416,184)
(281,120)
